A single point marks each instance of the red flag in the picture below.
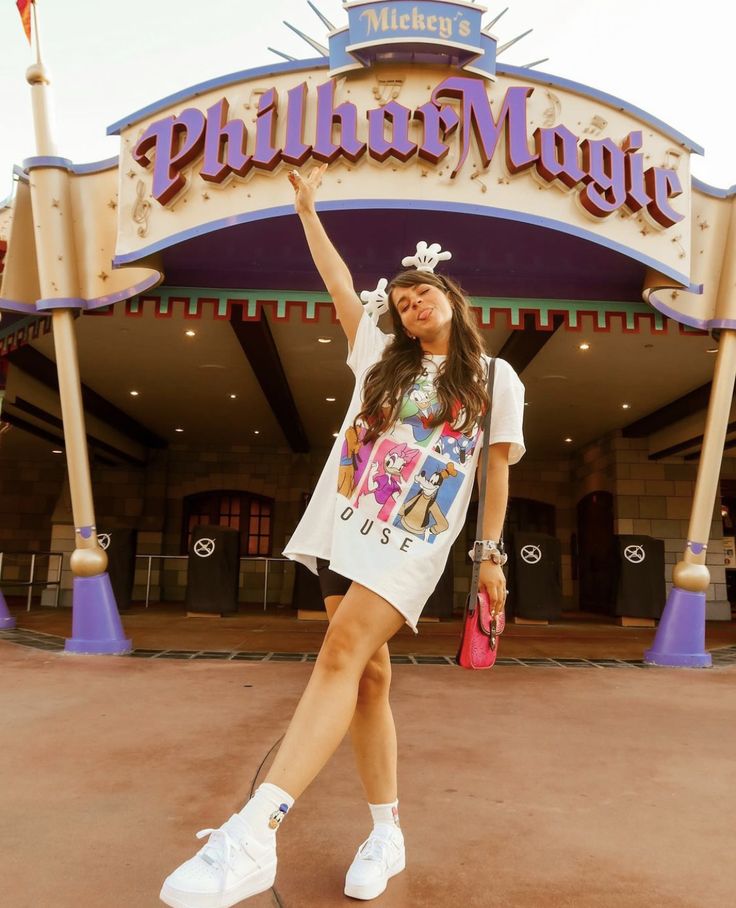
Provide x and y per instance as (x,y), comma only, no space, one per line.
(24,8)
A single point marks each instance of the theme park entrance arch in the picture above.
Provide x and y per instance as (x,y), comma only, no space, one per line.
(556,200)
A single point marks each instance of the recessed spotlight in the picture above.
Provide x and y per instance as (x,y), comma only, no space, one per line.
(712,350)
(134,393)
(57,451)
(330,399)
(233,396)
(178,430)
(625,406)
(526,403)
(324,340)
(190,333)
(584,346)
(568,440)
(256,431)
(335,434)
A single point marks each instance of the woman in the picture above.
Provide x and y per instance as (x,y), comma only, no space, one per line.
(415,412)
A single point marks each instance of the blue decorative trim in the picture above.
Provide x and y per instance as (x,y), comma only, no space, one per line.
(713,190)
(46,160)
(272,69)
(96,166)
(14,306)
(702,324)
(532,75)
(19,173)
(362,204)
(61,302)
(129,292)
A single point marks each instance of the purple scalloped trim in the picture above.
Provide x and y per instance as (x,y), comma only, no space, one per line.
(46,160)
(61,302)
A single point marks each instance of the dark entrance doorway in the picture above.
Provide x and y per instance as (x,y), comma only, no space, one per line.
(595,553)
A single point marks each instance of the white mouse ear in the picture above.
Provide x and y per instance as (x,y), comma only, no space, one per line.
(427,257)
(375,302)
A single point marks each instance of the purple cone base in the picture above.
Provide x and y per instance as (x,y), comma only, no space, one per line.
(7,622)
(680,639)
(96,625)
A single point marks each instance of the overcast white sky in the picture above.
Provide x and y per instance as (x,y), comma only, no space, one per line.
(108,58)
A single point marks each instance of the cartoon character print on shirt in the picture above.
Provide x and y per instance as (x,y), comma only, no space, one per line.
(458,446)
(419,408)
(354,458)
(428,501)
(386,477)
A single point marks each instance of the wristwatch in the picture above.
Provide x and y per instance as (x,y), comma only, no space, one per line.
(488,550)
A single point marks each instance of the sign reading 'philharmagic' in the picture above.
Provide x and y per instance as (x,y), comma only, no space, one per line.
(606,175)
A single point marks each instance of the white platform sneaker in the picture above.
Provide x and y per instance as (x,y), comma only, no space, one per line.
(233,865)
(380,857)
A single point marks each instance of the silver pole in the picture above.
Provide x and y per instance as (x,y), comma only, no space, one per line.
(148,580)
(265,587)
(30,585)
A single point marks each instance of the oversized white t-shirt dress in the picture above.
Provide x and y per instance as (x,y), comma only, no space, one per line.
(385,514)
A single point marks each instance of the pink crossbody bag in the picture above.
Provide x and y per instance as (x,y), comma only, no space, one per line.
(479,642)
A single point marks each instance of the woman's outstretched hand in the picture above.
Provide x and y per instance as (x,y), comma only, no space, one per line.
(493,581)
(305,188)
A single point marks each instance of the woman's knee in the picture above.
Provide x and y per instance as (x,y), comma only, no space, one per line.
(375,681)
(340,650)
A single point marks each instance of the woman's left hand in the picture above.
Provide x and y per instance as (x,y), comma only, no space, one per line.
(493,581)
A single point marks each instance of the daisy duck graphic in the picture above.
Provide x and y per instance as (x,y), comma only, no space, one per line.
(387,474)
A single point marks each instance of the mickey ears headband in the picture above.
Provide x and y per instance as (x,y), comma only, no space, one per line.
(375,302)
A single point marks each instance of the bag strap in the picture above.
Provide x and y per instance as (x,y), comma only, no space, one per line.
(475,578)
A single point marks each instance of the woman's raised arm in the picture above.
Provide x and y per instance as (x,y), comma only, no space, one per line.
(333,271)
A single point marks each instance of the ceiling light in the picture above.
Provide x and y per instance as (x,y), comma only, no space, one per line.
(178,430)
(233,396)
(625,406)
(57,451)
(712,350)
(256,431)
(134,393)
(568,440)
(335,434)
(526,403)
(190,333)
(324,340)
(584,346)
(330,399)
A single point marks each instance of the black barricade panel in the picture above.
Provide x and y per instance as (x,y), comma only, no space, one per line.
(120,545)
(440,603)
(534,582)
(213,570)
(640,587)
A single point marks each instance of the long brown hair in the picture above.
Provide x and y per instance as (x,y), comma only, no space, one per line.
(460,378)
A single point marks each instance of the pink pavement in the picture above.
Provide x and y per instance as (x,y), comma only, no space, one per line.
(520,787)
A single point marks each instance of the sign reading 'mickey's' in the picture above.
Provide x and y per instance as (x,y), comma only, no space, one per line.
(607,175)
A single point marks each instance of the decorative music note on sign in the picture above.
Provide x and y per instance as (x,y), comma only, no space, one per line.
(672,158)
(254,97)
(141,208)
(596,126)
(386,90)
(552,112)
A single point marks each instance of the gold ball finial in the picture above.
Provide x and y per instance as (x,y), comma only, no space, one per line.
(37,74)
(88,562)
(694,578)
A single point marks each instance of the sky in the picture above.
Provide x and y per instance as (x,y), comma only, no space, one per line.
(108,58)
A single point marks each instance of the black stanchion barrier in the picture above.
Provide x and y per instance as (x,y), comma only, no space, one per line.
(213,570)
(440,603)
(120,545)
(534,581)
(307,596)
(640,582)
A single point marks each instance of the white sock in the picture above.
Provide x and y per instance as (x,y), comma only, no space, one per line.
(385,816)
(266,809)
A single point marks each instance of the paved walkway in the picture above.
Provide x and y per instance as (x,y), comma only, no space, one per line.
(520,787)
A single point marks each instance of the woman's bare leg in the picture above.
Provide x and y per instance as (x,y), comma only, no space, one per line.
(372,730)
(365,622)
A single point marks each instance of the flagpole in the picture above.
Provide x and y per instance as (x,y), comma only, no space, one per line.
(96,626)
(36,32)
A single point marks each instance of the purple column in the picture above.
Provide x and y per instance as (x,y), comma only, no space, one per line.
(96,625)
(7,622)
(680,639)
